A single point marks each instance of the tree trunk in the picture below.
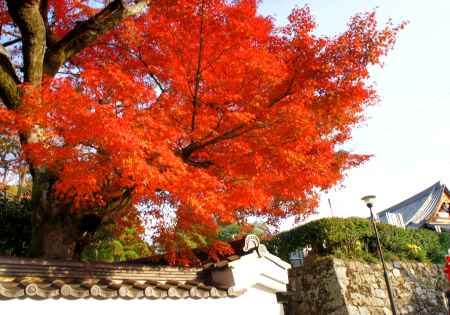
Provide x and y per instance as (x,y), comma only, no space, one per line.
(55,230)
(5,184)
(21,184)
(55,239)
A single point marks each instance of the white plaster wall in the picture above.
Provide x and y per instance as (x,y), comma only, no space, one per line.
(254,301)
(267,271)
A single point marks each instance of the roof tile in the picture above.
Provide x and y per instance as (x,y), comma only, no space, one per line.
(40,279)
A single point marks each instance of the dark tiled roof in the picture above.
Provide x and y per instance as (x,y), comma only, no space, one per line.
(417,209)
(20,278)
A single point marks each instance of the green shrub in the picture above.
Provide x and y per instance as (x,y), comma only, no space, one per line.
(15,227)
(128,245)
(354,238)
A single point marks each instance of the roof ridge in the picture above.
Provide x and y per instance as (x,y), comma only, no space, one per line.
(23,263)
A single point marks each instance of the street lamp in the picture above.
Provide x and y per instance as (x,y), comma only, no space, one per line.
(369,201)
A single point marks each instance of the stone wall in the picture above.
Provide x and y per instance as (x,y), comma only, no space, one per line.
(334,287)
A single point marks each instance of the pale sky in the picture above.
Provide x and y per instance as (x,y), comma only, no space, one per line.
(407,132)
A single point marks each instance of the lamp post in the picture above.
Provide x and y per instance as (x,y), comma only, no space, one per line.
(369,201)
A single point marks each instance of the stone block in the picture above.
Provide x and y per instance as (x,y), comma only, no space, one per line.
(358,299)
(341,311)
(376,311)
(353,310)
(373,301)
(396,273)
(338,262)
(380,293)
(341,273)
(364,310)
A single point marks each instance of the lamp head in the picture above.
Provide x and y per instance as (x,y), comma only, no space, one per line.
(369,200)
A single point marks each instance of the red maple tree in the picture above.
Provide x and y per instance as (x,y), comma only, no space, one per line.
(203,106)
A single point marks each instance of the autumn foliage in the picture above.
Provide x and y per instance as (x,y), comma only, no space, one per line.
(202,112)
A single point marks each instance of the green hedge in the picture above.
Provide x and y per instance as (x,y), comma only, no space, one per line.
(354,238)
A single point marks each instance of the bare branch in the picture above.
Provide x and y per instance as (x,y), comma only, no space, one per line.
(12,42)
(87,32)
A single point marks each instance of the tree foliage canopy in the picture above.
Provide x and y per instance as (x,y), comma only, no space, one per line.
(204,105)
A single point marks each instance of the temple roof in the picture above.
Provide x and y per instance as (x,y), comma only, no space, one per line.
(416,210)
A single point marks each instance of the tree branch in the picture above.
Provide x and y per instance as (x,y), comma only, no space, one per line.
(198,74)
(241,129)
(9,90)
(227,135)
(12,42)
(26,14)
(283,95)
(86,33)
(43,8)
